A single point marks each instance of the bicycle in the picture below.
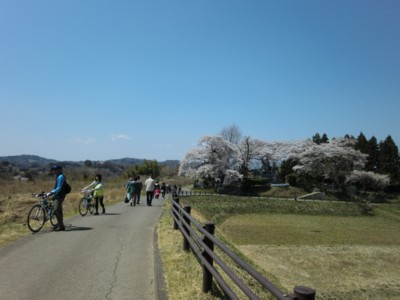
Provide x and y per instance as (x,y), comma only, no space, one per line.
(40,213)
(86,204)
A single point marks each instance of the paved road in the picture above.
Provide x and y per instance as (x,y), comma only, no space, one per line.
(108,256)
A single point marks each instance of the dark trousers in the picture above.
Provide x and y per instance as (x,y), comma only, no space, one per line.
(99,199)
(149,195)
(135,198)
(58,211)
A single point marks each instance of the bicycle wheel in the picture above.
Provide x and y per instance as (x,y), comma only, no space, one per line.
(90,206)
(53,219)
(36,218)
(83,206)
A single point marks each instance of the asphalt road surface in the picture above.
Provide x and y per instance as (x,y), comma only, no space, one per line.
(109,256)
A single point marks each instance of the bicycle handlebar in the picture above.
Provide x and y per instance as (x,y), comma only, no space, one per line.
(41,194)
(86,191)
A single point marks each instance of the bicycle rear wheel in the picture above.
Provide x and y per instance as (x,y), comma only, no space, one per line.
(90,206)
(83,206)
(36,218)
(53,219)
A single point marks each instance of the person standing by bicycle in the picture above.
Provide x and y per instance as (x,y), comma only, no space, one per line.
(58,196)
(98,193)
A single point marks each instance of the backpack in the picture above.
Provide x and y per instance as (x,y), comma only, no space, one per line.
(66,189)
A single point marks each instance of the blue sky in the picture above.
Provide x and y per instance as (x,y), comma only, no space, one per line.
(100,80)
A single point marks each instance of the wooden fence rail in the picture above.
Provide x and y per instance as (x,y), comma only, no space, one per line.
(200,240)
(295,197)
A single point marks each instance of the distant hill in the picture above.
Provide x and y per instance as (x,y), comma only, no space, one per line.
(34,161)
(27,161)
(126,161)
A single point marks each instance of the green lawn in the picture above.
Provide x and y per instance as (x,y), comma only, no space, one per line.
(330,246)
(278,229)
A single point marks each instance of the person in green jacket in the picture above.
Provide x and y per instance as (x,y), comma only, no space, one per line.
(133,190)
(98,193)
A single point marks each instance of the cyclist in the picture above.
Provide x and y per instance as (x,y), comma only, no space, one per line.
(59,196)
(98,193)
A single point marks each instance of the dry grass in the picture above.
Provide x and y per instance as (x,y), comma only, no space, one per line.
(337,272)
(341,257)
(182,272)
(16,200)
(326,246)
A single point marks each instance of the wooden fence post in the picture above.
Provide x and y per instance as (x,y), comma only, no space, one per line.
(176,227)
(304,293)
(207,276)
(186,245)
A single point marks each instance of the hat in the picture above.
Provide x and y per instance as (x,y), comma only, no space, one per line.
(56,167)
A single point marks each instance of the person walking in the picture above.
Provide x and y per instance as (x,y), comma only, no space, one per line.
(58,196)
(129,191)
(137,187)
(163,189)
(98,193)
(149,185)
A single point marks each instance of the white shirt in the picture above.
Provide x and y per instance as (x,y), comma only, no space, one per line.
(149,183)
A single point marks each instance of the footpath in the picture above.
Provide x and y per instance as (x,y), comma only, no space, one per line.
(111,256)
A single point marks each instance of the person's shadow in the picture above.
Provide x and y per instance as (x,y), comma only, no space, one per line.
(76,228)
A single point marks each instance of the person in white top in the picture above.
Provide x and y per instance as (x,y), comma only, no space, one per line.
(149,185)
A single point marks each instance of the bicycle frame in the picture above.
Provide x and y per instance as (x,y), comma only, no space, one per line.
(86,204)
(40,213)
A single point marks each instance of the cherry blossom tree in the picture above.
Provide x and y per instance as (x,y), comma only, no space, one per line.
(216,160)
(331,162)
(368,180)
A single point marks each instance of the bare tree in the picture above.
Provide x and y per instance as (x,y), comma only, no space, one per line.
(232,134)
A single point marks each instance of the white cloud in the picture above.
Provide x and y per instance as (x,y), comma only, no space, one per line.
(120,136)
(85,141)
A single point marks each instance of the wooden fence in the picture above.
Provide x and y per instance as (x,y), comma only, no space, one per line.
(274,196)
(200,240)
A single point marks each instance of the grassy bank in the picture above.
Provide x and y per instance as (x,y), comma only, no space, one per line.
(330,246)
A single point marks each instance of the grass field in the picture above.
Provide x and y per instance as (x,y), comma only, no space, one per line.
(329,246)
(16,199)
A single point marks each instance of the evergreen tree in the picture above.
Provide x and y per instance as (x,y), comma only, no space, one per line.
(371,148)
(372,163)
(361,144)
(286,168)
(324,139)
(389,160)
(148,167)
(316,138)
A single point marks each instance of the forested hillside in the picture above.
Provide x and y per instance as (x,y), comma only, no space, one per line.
(31,167)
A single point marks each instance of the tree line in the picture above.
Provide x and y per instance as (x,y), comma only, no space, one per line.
(345,166)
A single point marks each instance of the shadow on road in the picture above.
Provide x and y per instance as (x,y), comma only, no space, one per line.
(77,228)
